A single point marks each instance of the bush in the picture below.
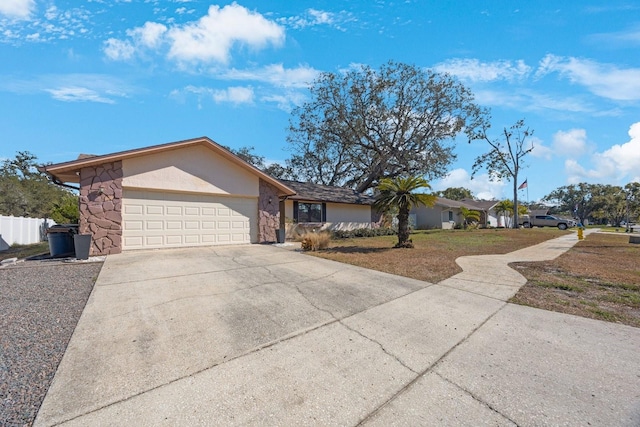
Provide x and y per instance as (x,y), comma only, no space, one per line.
(315,241)
(363,232)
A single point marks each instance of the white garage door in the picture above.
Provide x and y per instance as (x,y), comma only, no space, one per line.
(158,220)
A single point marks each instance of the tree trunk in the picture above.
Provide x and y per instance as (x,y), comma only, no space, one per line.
(403,228)
(516,220)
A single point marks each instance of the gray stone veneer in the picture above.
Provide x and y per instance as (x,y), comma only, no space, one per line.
(101,207)
(268,213)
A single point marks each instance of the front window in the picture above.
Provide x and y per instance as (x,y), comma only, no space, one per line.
(308,212)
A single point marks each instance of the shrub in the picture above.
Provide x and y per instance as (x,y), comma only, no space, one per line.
(315,241)
(363,232)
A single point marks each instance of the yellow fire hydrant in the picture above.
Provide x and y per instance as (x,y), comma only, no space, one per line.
(580,233)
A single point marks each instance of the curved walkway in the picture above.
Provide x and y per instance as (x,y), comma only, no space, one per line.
(490,275)
(257,335)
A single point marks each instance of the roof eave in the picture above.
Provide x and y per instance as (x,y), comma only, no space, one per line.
(70,171)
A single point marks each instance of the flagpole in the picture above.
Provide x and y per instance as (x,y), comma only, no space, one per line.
(527,179)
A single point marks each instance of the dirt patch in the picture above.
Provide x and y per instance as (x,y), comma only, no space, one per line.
(598,278)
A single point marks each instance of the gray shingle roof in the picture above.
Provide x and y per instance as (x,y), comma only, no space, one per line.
(324,193)
(483,205)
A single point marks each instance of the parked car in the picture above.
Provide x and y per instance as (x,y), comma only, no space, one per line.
(530,221)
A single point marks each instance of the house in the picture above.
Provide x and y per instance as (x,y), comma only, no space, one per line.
(322,207)
(185,193)
(488,215)
(446,213)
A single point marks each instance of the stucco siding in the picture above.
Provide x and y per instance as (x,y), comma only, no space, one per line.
(339,212)
(288,210)
(194,169)
(427,218)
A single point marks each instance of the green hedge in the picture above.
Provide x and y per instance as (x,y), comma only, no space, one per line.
(363,232)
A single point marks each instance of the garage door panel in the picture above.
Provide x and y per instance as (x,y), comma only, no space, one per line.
(173,220)
(133,225)
(174,210)
(154,241)
(155,210)
(155,225)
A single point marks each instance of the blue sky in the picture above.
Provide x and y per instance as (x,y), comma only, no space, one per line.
(100,76)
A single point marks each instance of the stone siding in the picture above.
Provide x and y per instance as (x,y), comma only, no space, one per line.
(268,213)
(101,207)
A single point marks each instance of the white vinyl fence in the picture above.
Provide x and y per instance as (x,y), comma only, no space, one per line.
(23,231)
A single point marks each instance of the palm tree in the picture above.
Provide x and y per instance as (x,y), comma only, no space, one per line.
(469,215)
(505,208)
(399,193)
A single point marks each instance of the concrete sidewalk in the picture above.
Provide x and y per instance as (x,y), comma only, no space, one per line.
(263,336)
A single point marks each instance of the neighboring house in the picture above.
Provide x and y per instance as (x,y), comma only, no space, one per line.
(488,216)
(185,193)
(322,207)
(445,213)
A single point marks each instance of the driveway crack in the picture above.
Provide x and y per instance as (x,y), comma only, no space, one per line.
(387,352)
(476,398)
(422,373)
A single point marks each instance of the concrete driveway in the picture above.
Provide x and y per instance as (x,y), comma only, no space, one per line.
(261,335)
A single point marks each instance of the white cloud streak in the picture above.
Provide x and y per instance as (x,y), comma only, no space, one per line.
(78,94)
(71,87)
(604,80)
(474,70)
(235,95)
(275,74)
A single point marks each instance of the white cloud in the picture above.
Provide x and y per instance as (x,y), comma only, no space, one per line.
(625,157)
(526,100)
(275,74)
(618,164)
(604,80)
(481,186)
(285,101)
(235,95)
(623,38)
(540,150)
(314,17)
(475,71)
(17,9)
(71,87)
(211,38)
(118,50)
(572,143)
(78,94)
(149,35)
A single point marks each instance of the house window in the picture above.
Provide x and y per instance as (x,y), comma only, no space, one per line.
(309,212)
(450,215)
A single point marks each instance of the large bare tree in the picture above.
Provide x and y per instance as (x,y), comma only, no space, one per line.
(364,125)
(505,157)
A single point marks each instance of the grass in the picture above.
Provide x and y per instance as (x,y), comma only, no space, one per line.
(25,251)
(435,252)
(598,278)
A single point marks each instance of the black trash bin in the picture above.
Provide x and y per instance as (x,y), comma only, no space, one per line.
(82,244)
(61,240)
